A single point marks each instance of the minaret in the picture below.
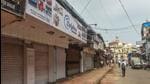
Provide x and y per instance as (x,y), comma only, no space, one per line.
(117,38)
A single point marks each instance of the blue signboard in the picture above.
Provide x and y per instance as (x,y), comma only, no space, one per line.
(147,24)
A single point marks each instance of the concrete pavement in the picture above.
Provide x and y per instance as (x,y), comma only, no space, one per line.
(111,77)
(133,76)
(92,77)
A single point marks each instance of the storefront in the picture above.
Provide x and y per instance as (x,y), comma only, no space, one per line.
(12,49)
(87,59)
(60,63)
(99,59)
(41,63)
(73,60)
(33,48)
(12,61)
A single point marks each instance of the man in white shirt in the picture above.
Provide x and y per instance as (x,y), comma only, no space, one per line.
(123,67)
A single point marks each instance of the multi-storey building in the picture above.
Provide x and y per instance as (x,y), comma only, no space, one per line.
(120,48)
(43,41)
(96,43)
(145,33)
(34,37)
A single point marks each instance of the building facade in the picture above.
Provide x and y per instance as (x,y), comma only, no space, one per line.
(34,37)
(145,34)
(120,48)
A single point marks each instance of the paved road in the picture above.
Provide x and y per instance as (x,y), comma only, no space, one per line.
(132,77)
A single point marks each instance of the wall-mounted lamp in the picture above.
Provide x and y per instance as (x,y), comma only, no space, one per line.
(51,32)
(62,37)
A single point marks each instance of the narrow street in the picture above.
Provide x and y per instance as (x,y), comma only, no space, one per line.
(133,76)
(74,41)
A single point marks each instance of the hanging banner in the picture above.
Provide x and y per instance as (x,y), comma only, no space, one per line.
(13,6)
(64,21)
(40,9)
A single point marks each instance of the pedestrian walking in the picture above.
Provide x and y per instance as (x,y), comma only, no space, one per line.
(123,67)
(116,59)
(119,62)
(129,58)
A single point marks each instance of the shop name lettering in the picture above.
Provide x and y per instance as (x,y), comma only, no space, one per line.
(58,9)
(40,16)
(69,25)
(10,5)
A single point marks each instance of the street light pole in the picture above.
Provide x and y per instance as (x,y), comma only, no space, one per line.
(93,24)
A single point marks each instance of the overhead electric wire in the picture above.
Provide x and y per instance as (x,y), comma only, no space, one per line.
(89,13)
(112,29)
(107,15)
(128,16)
(116,29)
(75,1)
(85,7)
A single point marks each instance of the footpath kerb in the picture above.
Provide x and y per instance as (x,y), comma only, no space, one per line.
(92,77)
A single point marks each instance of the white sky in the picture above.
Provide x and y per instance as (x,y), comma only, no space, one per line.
(109,14)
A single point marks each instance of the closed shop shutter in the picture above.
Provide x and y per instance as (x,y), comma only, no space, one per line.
(60,61)
(11,63)
(88,62)
(41,64)
(73,62)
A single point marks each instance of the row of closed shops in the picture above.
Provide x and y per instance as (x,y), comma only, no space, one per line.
(35,46)
(79,59)
(38,62)
(35,53)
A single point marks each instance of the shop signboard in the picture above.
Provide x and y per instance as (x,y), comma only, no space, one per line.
(64,21)
(40,9)
(146,24)
(13,6)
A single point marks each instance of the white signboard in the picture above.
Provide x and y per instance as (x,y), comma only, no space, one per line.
(40,9)
(64,21)
(52,13)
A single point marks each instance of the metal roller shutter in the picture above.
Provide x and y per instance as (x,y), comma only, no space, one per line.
(60,62)
(41,64)
(88,62)
(73,62)
(11,63)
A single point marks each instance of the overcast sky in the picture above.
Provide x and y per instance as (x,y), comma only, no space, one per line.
(110,15)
